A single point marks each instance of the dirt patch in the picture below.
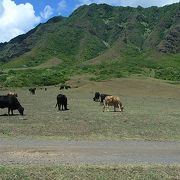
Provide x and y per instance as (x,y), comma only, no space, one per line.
(33,151)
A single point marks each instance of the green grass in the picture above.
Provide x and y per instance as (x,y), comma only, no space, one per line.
(90,172)
(151,112)
(131,63)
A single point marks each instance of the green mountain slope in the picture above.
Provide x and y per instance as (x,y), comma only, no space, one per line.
(125,39)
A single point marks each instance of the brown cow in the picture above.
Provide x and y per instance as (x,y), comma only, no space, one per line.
(112,101)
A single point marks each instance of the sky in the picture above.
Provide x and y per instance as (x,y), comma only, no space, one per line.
(19,16)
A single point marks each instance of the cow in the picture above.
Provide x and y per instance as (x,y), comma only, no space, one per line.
(112,101)
(103,97)
(32,90)
(12,94)
(96,96)
(61,102)
(62,87)
(67,87)
(12,103)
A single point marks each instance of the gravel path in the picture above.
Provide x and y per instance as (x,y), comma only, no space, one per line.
(26,151)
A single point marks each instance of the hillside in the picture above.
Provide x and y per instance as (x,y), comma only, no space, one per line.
(130,40)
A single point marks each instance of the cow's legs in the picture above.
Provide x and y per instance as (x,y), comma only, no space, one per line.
(59,106)
(107,107)
(65,106)
(114,108)
(119,107)
(104,105)
(8,111)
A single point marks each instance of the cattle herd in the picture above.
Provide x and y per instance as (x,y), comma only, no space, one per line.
(108,100)
(11,102)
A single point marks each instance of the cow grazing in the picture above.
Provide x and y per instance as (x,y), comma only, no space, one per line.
(112,101)
(12,103)
(12,94)
(67,87)
(64,86)
(32,90)
(96,96)
(103,97)
(61,102)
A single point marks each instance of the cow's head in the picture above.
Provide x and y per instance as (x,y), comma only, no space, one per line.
(21,110)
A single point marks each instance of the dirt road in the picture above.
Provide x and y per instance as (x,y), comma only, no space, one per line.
(43,152)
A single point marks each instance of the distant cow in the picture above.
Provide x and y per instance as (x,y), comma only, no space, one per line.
(64,86)
(12,103)
(32,90)
(61,102)
(96,96)
(67,87)
(103,97)
(112,101)
(12,94)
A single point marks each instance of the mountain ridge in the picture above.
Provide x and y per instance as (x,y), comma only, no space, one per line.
(101,39)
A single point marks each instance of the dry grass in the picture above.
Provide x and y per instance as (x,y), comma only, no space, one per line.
(151,112)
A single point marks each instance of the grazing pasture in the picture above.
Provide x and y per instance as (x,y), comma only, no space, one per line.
(82,172)
(151,112)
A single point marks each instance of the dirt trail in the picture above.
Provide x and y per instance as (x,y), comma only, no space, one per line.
(42,152)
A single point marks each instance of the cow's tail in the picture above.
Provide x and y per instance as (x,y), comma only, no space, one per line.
(56,105)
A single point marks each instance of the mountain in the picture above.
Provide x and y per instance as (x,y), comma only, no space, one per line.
(94,34)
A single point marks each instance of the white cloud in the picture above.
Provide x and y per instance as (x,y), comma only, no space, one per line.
(133,3)
(62,5)
(16,19)
(145,3)
(47,12)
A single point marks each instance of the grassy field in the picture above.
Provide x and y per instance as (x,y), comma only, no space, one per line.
(90,172)
(151,112)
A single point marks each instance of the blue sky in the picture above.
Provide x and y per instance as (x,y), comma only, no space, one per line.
(66,7)
(20,16)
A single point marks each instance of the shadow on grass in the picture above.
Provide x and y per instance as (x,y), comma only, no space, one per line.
(10,115)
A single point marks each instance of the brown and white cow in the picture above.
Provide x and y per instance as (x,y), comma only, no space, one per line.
(112,101)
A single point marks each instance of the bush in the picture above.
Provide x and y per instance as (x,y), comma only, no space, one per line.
(170,73)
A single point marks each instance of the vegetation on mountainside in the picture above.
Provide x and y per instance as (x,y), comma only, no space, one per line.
(146,41)
(168,68)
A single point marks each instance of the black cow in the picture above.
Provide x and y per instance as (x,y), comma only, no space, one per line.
(96,96)
(62,87)
(67,87)
(103,97)
(32,90)
(61,102)
(12,103)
